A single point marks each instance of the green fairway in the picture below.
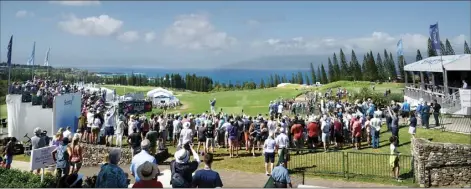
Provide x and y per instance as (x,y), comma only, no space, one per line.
(3,111)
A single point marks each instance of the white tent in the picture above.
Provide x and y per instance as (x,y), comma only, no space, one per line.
(434,64)
(159,90)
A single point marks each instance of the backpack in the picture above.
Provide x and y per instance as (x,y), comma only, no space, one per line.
(326,128)
(177,180)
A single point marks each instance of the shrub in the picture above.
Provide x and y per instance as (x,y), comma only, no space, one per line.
(14,178)
(378,98)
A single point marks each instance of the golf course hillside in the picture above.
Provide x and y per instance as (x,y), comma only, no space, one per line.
(252,101)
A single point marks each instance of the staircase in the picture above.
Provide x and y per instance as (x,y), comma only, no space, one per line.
(451,104)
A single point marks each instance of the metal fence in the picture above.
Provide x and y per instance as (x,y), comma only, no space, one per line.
(347,164)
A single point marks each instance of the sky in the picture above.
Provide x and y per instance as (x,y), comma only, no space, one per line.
(161,34)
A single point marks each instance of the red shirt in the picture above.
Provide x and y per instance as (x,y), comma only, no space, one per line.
(337,126)
(313,129)
(148,184)
(297,131)
(357,129)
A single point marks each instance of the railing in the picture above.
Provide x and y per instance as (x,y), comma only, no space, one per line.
(347,164)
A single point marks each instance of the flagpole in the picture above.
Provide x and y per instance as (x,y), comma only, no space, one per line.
(10,49)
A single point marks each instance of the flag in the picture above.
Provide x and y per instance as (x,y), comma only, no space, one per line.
(399,49)
(10,46)
(435,37)
(46,60)
(31,58)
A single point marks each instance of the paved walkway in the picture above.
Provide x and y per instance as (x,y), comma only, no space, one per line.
(230,178)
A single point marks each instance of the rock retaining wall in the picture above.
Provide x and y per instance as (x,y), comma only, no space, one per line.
(93,155)
(441,164)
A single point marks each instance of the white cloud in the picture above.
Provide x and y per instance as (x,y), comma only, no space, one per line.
(102,25)
(23,13)
(77,3)
(377,41)
(149,37)
(129,36)
(196,32)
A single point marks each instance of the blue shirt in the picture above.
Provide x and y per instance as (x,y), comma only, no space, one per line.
(138,160)
(280,174)
(405,107)
(413,122)
(206,179)
(425,110)
(111,176)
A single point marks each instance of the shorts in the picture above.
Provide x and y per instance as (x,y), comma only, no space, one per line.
(269,157)
(89,130)
(8,160)
(95,130)
(338,138)
(412,130)
(357,139)
(246,136)
(314,139)
(325,137)
(82,129)
(76,165)
(210,142)
(176,136)
(232,141)
(405,114)
(109,131)
(201,139)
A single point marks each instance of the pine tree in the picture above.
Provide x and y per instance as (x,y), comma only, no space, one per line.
(431,51)
(337,74)
(325,80)
(400,63)
(449,48)
(372,68)
(331,75)
(419,56)
(313,74)
(392,66)
(300,78)
(443,50)
(355,67)
(319,74)
(306,80)
(466,48)
(346,75)
(272,81)
(379,65)
(262,84)
(364,70)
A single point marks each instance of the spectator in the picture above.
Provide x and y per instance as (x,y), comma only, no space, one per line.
(281,176)
(148,173)
(394,158)
(37,142)
(313,133)
(120,131)
(135,141)
(207,178)
(111,175)
(201,137)
(109,127)
(436,112)
(232,131)
(67,133)
(297,131)
(186,134)
(269,152)
(425,111)
(375,128)
(394,123)
(96,128)
(338,132)
(325,128)
(76,156)
(61,157)
(152,136)
(9,152)
(182,169)
(412,125)
(141,158)
(356,134)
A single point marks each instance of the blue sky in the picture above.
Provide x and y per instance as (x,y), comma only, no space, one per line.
(211,34)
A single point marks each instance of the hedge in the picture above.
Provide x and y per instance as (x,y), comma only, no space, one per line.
(14,178)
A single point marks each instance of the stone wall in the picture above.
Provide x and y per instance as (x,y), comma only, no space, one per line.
(441,164)
(93,155)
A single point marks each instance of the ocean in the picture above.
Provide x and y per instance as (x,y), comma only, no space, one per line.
(220,75)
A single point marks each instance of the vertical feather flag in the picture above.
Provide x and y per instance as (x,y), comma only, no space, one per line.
(31,58)
(10,46)
(399,50)
(46,60)
(435,37)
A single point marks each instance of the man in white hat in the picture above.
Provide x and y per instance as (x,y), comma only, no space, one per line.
(182,169)
(37,142)
(186,135)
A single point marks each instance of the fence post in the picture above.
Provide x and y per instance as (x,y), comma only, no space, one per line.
(346,161)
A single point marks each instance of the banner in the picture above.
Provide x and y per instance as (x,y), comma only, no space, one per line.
(42,157)
(465,97)
(67,109)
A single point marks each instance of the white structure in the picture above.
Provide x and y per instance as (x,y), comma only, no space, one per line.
(453,100)
(161,96)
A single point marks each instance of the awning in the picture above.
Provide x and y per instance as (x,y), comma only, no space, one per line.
(434,64)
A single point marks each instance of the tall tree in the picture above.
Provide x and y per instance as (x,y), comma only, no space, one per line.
(355,67)
(306,80)
(379,64)
(262,83)
(400,62)
(449,48)
(331,75)
(313,74)
(319,74)
(418,57)
(392,66)
(346,75)
(337,74)
(364,69)
(443,50)
(325,80)
(372,68)
(466,48)
(431,51)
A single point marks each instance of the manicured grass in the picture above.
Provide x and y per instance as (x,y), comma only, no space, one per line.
(3,111)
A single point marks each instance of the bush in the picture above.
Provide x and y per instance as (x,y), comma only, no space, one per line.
(14,178)
(378,98)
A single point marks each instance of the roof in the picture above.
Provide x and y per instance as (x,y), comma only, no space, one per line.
(434,64)
(159,90)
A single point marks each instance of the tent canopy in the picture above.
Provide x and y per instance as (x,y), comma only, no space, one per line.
(161,94)
(434,64)
(159,90)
